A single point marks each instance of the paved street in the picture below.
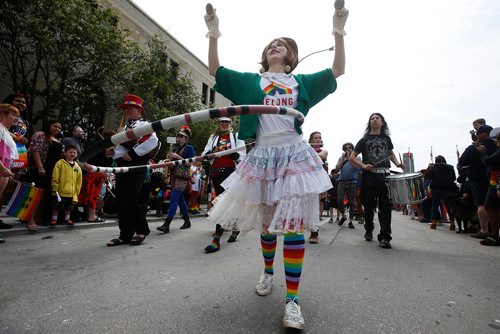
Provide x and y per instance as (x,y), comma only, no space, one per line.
(68,281)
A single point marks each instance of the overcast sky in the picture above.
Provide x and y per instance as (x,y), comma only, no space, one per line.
(430,67)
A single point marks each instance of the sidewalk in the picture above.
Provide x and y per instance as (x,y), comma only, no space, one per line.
(19,228)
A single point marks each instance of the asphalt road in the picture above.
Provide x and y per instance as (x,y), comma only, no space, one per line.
(68,281)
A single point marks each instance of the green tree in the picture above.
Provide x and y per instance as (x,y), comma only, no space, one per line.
(166,91)
(69,56)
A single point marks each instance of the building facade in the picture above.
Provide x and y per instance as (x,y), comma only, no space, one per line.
(143,28)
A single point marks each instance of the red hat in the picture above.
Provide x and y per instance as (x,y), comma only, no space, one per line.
(132,100)
(185,131)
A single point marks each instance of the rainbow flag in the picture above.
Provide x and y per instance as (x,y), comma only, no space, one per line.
(24,201)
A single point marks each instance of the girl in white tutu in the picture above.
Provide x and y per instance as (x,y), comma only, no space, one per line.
(276,187)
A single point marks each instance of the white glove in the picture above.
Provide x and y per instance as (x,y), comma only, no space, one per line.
(212,22)
(339,20)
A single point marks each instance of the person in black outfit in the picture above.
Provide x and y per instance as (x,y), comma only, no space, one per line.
(131,211)
(442,177)
(376,148)
(477,174)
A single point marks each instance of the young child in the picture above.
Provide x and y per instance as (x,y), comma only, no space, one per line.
(66,184)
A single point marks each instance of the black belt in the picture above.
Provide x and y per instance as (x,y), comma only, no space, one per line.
(220,169)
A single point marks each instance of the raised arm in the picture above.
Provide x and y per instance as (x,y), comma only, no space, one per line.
(338,67)
(339,20)
(213,56)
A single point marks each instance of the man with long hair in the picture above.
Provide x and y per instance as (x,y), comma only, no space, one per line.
(376,147)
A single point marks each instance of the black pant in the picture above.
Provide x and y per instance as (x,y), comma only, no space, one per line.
(218,178)
(373,189)
(131,210)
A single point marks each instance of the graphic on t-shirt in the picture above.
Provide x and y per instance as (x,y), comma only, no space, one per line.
(278,95)
(223,145)
(274,88)
(376,149)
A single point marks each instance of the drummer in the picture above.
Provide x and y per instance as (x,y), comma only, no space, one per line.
(376,148)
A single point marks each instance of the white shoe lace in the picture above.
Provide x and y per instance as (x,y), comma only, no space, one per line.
(264,286)
(293,316)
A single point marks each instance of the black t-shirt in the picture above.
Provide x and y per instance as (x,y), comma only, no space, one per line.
(375,148)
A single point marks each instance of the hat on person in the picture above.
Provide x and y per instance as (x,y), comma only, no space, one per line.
(224,119)
(185,131)
(483,129)
(132,100)
(495,133)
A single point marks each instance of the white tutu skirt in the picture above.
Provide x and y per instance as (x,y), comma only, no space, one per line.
(275,189)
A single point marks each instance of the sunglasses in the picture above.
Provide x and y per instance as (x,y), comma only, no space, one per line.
(224,122)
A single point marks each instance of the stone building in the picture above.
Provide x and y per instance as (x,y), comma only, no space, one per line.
(143,27)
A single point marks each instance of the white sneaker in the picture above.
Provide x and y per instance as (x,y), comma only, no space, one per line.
(293,317)
(265,284)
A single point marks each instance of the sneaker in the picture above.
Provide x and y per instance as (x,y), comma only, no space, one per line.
(385,244)
(351,225)
(368,236)
(265,284)
(69,222)
(52,223)
(293,317)
(330,220)
(361,220)
(313,239)
(342,221)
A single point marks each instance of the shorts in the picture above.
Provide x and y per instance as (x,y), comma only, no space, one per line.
(492,201)
(479,191)
(65,204)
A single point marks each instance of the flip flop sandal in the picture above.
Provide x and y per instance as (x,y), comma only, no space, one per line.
(137,240)
(117,242)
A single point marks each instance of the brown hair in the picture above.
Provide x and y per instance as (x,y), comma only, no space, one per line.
(312,135)
(292,57)
(6,108)
(480,121)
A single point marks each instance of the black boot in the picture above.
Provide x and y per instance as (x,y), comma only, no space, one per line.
(187,223)
(165,228)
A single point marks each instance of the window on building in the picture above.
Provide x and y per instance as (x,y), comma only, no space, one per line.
(212,97)
(204,93)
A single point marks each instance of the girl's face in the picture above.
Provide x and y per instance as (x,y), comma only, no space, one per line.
(276,52)
(20,103)
(9,119)
(55,129)
(316,139)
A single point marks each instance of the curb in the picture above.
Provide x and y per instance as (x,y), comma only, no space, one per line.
(19,229)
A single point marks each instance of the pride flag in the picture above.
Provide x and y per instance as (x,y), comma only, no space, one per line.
(24,201)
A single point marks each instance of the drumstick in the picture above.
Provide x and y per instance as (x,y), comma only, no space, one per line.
(378,162)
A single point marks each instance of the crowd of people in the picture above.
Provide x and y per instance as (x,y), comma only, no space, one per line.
(279,186)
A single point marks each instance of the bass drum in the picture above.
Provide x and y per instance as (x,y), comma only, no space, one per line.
(407,188)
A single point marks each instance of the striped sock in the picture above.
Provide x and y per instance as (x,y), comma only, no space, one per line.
(293,257)
(215,244)
(268,243)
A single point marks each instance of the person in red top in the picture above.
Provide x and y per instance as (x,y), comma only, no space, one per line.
(220,168)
